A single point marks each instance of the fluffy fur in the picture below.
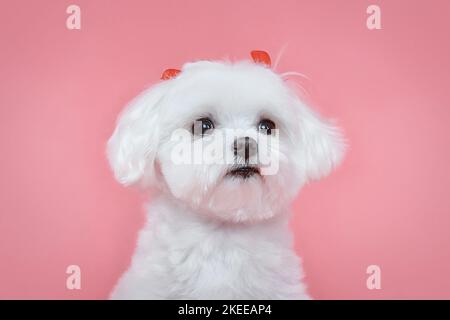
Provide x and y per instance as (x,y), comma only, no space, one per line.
(209,235)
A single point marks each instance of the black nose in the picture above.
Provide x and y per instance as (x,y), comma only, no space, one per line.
(245,148)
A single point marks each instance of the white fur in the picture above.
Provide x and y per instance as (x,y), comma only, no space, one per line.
(209,236)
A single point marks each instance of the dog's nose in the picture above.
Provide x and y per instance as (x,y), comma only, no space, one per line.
(245,148)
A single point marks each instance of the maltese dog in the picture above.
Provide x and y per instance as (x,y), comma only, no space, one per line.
(224,147)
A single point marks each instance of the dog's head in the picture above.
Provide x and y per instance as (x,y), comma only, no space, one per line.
(231,140)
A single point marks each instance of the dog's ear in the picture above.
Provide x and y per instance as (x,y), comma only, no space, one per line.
(132,148)
(322,144)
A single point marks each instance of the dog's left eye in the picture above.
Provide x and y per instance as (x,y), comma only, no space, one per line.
(266,126)
(202,126)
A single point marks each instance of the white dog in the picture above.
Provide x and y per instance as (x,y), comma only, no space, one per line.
(219,229)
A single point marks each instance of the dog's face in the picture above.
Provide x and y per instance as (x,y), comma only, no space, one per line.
(229,140)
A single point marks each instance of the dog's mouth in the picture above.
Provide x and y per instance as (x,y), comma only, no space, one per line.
(244,172)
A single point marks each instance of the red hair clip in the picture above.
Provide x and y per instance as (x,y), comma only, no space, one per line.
(258,56)
(169,74)
(261,57)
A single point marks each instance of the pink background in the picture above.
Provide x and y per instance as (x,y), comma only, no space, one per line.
(61,90)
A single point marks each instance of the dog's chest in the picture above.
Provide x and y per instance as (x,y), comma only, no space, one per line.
(223,263)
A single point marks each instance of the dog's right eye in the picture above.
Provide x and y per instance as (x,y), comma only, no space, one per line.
(202,126)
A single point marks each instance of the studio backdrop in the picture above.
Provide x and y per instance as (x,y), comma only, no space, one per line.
(376,228)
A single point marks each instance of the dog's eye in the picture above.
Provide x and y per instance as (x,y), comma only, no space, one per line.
(266,126)
(202,126)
